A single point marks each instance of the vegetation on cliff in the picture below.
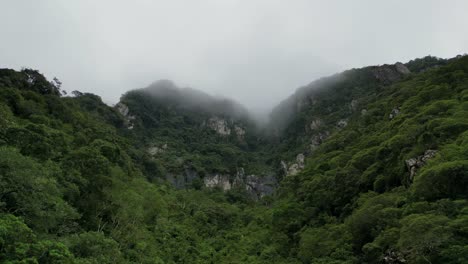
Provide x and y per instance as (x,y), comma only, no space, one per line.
(385,178)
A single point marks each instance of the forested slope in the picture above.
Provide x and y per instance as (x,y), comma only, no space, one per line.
(392,185)
(384,180)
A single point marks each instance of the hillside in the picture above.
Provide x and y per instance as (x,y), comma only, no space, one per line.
(195,139)
(366,166)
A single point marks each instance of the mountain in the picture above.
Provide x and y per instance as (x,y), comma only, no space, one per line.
(365,166)
(195,139)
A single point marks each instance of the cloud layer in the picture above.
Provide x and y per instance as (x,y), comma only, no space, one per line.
(257,52)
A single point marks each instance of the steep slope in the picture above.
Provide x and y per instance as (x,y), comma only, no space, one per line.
(374,170)
(391,186)
(195,139)
(302,122)
(74,189)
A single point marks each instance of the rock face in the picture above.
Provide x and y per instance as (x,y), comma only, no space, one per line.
(219,125)
(260,186)
(240,132)
(315,125)
(284,167)
(218,180)
(318,139)
(294,168)
(388,74)
(401,68)
(393,257)
(394,113)
(414,164)
(353,106)
(125,112)
(225,128)
(257,186)
(342,123)
(122,108)
(300,160)
(155,150)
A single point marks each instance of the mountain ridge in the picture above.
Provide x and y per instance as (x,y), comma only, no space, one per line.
(373,171)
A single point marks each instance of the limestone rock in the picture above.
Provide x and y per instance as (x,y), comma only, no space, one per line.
(293,169)
(315,125)
(260,186)
(219,125)
(296,167)
(154,150)
(388,74)
(342,123)
(125,112)
(318,139)
(240,132)
(122,108)
(284,167)
(401,68)
(393,257)
(217,180)
(394,113)
(414,164)
(300,160)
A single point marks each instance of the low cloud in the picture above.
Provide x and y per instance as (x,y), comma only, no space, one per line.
(256,52)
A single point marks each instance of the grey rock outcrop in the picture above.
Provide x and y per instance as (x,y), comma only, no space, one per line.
(125,112)
(155,150)
(284,168)
(388,74)
(256,186)
(342,123)
(353,106)
(293,169)
(414,164)
(218,180)
(317,139)
(401,68)
(260,186)
(315,124)
(393,257)
(394,113)
(296,167)
(240,132)
(219,125)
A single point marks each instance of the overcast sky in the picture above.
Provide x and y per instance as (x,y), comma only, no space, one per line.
(255,51)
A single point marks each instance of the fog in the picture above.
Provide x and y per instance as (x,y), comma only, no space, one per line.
(256,52)
(167,93)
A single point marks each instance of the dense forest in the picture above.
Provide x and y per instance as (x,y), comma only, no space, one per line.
(366,166)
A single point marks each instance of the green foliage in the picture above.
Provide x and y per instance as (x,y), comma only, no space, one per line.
(78,186)
(330,242)
(94,247)
(421,236)
(19,244)
(30,190)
